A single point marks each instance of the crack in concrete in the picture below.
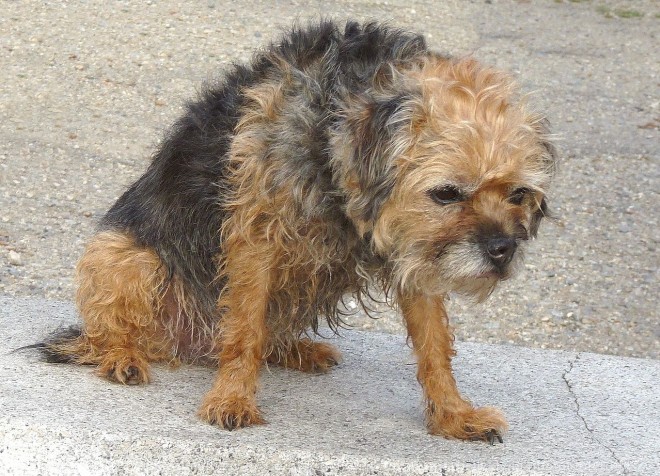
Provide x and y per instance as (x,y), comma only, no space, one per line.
(564,376)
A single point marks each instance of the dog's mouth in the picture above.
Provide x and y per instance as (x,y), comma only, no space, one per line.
(467,260)
(492,275)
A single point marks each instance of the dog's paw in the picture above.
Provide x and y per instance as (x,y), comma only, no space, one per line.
(230,412)
(308,356)
(124,368)
(474,424)
(319,357)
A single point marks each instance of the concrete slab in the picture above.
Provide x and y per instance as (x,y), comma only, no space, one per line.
(570,414)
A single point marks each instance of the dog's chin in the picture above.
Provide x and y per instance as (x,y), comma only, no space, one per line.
(478,288)
(496,274)
(492,274)
(465,270)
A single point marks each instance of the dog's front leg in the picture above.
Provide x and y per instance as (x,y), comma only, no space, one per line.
(231,403)
(448,414)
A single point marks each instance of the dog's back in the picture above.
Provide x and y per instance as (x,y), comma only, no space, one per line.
(176,207)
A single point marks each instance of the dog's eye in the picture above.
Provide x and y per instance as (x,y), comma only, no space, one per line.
(446,195)
(518,195)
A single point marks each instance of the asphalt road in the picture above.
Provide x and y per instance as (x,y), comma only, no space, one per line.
(87,90)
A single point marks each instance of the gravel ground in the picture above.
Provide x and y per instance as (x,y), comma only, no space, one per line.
(88,89)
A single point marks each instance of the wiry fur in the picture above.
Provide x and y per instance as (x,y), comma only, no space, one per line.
(312,173)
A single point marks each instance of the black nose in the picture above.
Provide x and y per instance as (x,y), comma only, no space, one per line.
(500,250)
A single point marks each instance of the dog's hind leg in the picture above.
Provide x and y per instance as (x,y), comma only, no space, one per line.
(120,286)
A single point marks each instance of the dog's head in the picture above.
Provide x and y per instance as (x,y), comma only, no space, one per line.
(447,171)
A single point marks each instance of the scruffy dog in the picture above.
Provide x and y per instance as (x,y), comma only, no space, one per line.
(339,158)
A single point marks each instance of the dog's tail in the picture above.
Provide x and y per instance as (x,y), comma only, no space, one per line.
(66,345)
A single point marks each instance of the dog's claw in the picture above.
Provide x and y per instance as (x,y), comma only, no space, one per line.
(230,422)
(492,435)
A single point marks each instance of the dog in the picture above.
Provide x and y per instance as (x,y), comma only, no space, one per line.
(340,158)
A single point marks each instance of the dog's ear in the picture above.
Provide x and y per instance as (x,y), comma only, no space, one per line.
(548,160)
(542,212)
(379,130)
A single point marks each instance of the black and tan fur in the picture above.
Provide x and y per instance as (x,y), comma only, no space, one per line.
(337,159)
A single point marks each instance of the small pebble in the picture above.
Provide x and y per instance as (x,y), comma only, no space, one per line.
(15,259)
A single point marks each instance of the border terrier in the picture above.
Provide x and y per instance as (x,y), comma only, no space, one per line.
(338,159)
